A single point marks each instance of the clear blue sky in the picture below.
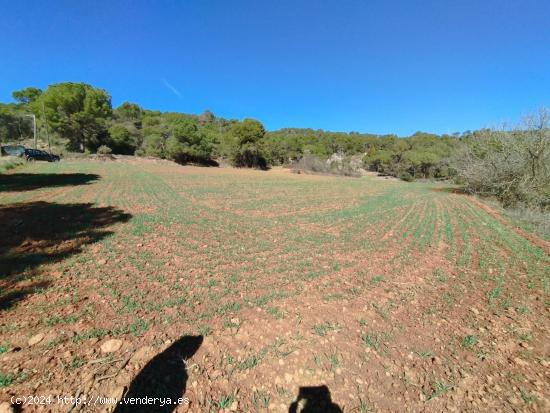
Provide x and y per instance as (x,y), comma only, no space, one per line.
(383,66)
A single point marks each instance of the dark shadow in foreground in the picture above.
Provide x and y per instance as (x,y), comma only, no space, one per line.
(36,233)
(314,400)
(164,377)
(28,182)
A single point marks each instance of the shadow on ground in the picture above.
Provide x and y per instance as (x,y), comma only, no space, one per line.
(28,182)
(451,190)
(11,297)
(164,377)
(36,233)
(314,399)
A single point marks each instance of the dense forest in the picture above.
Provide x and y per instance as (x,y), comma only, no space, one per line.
(511,165)
(82,118)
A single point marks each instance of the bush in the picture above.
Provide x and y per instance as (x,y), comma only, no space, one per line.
(310,163)
(406,176)
(104,150)
(249,156)
(10,162)
(122,141)
(513,166)
(336,164)
(247,150)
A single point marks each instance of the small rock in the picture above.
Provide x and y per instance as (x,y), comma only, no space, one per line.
(110,346)
(234,406)
(521,362)
(526,346)
(102,262)
(35,339)
(5,407)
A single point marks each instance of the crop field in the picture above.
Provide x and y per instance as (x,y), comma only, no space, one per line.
(238,288)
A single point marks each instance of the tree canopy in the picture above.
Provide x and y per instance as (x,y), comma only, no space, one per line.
(81,116)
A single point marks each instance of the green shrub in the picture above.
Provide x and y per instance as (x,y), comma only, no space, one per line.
(406,176)
(10,162)
(104,150)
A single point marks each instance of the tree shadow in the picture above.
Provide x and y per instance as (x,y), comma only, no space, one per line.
(36,233)
(28,182)
(184,159)
(450,190)
(164,377)
(315,399)
(12,297)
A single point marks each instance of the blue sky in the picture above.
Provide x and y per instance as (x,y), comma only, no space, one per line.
(370,66)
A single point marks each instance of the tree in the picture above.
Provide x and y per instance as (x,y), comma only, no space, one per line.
(27,95)
(379,160)
(187,144)
(206,117)
(154,145)
(77,112)
(122,140)
(128,112)
(248,151)
(13,126)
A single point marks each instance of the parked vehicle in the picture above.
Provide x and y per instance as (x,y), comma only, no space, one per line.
(13,150)
(37,155)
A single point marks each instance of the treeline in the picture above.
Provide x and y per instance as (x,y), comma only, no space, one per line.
(513,166)
(421,155)
(82,117)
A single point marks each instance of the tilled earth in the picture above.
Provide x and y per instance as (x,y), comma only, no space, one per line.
(264,291)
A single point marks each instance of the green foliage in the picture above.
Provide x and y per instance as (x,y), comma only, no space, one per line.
(13,125)
(77,112)
(512,166)
(469,341)
(247,144)
(82,116)
(104,150)
(27,95)
(6,379)
(153,145)
(10,162)
(249,131)
(176,136)
(122,140)
(128,112)
(187,143)
(421,155)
